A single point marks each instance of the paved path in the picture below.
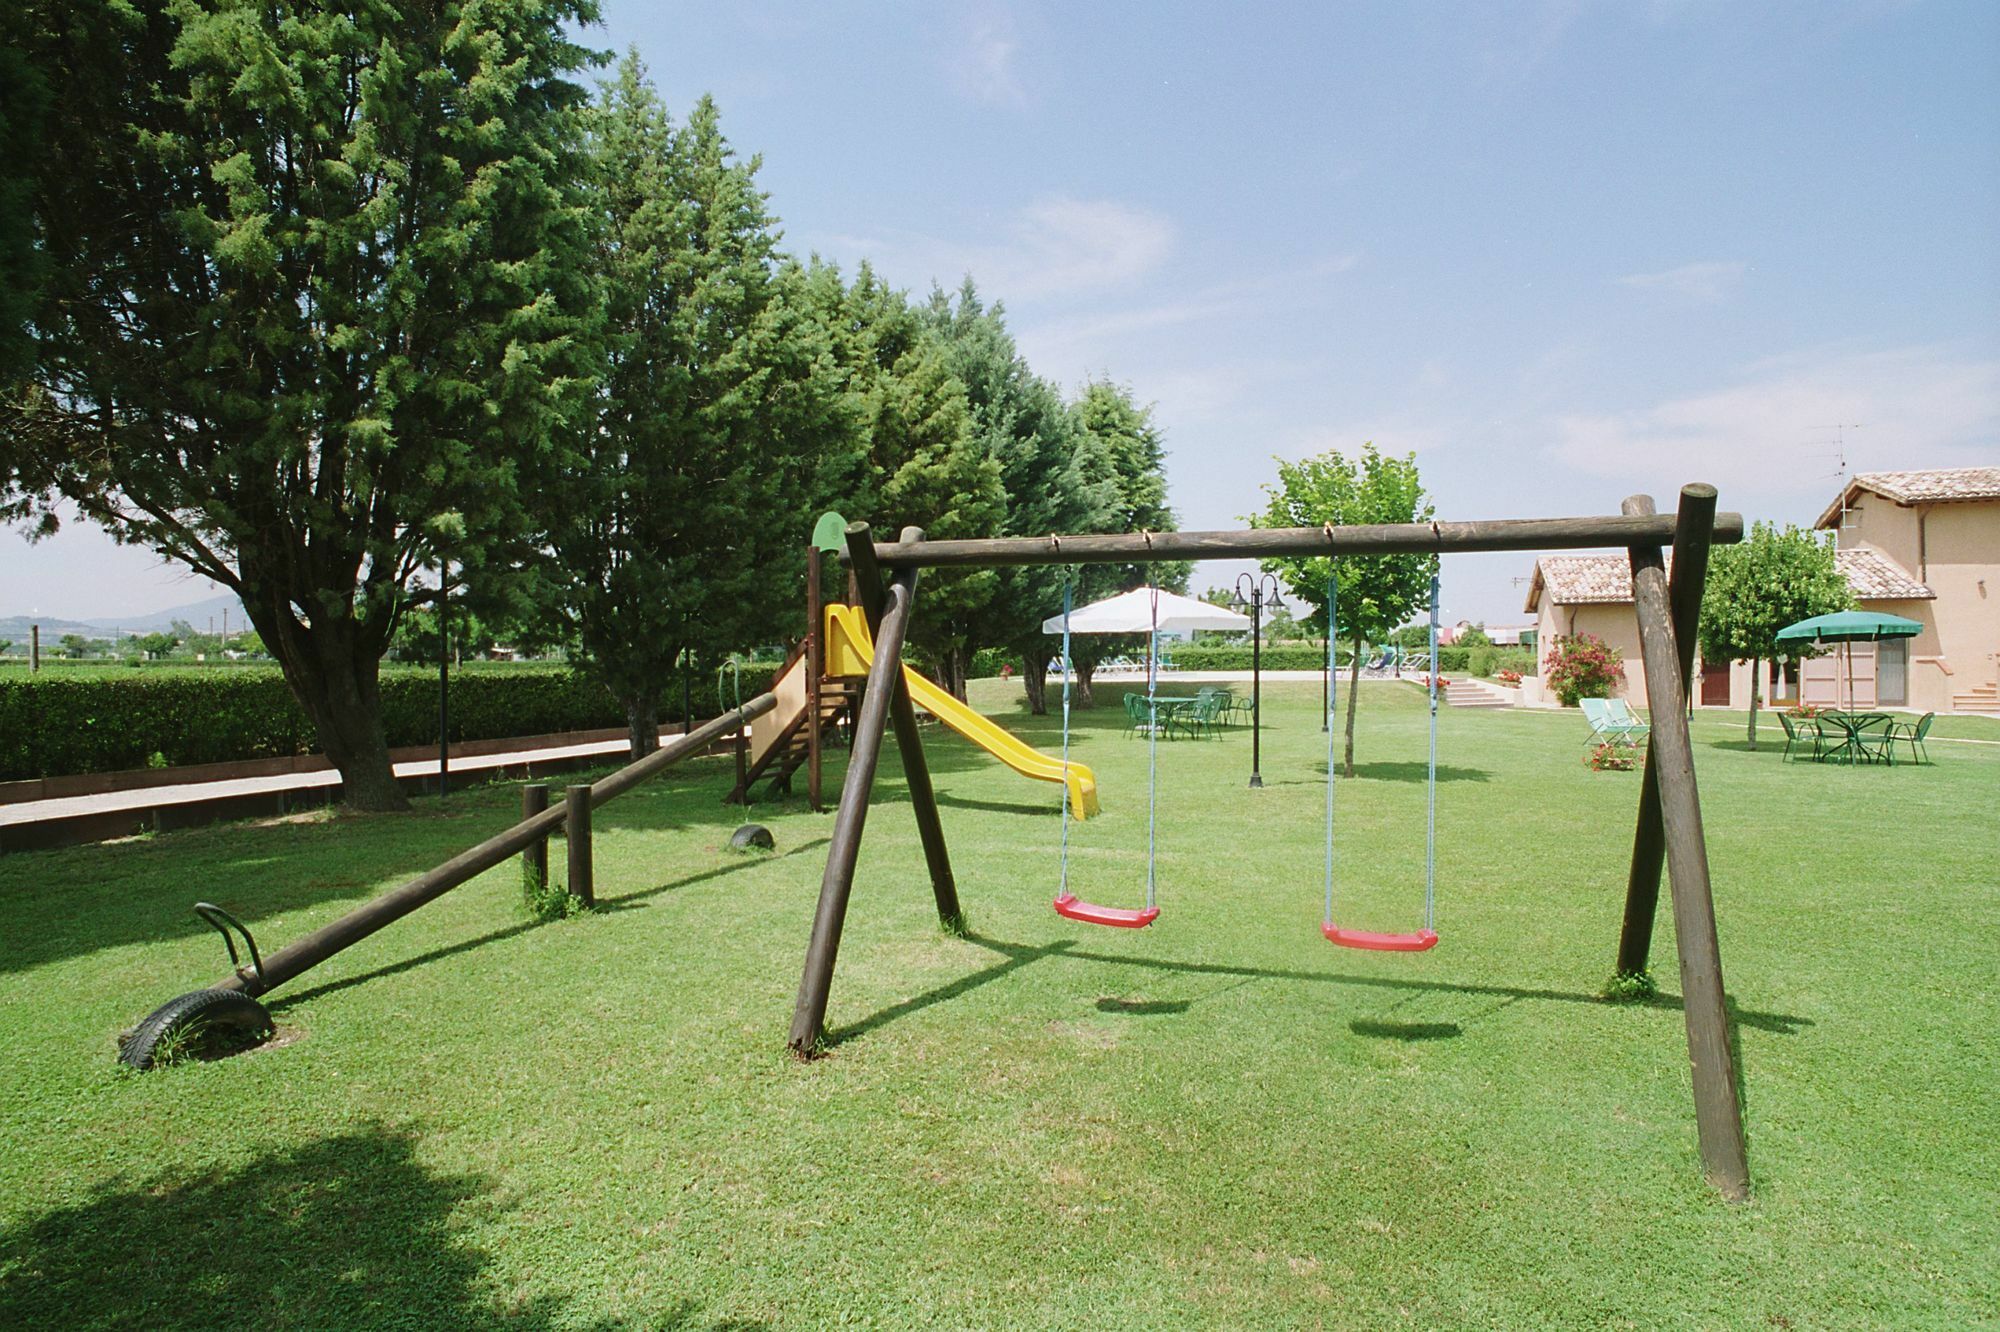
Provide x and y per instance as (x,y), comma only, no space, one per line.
(193,793)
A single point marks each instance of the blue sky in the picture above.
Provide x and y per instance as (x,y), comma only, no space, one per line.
(1562,252)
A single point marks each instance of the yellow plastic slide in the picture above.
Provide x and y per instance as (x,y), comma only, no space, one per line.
(850,650)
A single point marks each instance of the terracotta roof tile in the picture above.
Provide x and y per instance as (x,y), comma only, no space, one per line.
(1876,577)
(1578,580)
(1941,485)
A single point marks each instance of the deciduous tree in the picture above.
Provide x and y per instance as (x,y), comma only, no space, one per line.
(1375,592)
(1772,578)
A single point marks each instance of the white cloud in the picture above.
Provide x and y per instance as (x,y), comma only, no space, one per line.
(1707,283)
(982,64)
(1768,433)
(1051,248)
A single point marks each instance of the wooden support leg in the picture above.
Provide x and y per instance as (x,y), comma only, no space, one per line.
(910,742)
(576,831)
(535,856)
(815,985)
(1694,524)
(1718,1116)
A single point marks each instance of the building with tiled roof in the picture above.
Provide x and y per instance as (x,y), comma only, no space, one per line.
(1945,485)
(1922,545)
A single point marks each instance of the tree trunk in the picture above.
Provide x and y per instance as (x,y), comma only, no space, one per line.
(336,679)
(1353,697)
(1035,677)
(642,720)
(1756,671)
(952,669)
(1084,670)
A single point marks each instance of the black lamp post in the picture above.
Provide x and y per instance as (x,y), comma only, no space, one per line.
(444,680)
(1257,592)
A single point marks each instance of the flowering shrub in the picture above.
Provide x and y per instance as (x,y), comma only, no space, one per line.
(1509,677)
(1608,757)
(1582,666)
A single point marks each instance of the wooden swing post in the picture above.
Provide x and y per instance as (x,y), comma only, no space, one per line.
(878,703)
(1676,811)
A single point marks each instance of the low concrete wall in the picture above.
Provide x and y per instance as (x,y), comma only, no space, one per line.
(139,779)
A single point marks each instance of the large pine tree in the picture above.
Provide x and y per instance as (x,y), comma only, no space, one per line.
(312,288)
(678,522)
(1057,477)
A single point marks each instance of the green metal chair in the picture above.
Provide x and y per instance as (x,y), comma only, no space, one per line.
(1205,715)
(1800,732)
(1912,735)
(1138,717)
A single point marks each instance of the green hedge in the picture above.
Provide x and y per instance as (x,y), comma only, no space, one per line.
(59,725)
(1236,657)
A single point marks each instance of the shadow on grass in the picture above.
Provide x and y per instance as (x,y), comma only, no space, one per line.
(118,894)
(347,1231)
(1143,1007)
(624,902)
(1405,1031)
(1016,956)
(1415,771)
(1047,809)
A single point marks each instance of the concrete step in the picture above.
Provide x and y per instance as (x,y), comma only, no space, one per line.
(1476,694)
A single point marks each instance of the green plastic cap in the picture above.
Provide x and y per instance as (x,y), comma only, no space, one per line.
(830,532)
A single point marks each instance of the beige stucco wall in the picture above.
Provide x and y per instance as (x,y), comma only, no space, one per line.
(1962,565)
(1615,623)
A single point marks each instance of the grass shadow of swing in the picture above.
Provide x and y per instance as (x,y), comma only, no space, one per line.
(1016,956)
(1405,1031)
(1142,1007)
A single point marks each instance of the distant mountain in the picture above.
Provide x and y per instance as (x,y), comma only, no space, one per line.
(198,614)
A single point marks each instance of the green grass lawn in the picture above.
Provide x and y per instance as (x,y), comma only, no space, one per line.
(471,1121)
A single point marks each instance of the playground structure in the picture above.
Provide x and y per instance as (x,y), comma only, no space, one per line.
(818,688)
(780,738)
(1669,826)
(867,635)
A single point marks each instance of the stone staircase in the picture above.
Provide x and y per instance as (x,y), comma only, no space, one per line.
(1982,698)
(1477,694)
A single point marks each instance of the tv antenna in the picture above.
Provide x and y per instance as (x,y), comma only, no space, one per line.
(1840,429)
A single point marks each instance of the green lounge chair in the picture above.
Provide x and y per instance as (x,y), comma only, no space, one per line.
(1606,726)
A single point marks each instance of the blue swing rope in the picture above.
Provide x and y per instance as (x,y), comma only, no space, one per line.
(1431,771)
(1431,778)
(1062,796)
(1332,693)
(1152,737)
(1152,740)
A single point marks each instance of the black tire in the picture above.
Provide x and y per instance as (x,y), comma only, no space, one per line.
(753,835)
(203,1022)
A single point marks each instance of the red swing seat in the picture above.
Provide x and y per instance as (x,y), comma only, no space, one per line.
(1380,943)
(1072,907)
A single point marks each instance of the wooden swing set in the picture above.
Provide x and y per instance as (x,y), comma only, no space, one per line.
(1669,829)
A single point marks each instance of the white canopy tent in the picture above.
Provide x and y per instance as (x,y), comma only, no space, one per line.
(1132,613)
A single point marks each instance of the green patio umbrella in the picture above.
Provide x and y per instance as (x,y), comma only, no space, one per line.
(1853,626)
